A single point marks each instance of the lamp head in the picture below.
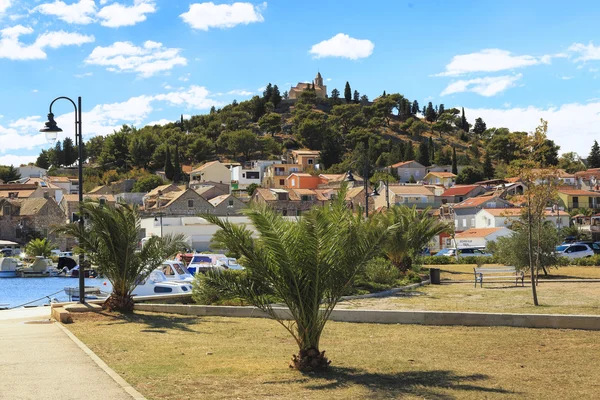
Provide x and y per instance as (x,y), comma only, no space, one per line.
(51,129)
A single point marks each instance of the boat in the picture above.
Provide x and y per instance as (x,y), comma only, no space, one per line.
(91,293)
(154,284)
(8,267)
(175,271)
(202,263)
(41,268)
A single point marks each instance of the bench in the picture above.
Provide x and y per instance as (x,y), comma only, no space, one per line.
(498,273)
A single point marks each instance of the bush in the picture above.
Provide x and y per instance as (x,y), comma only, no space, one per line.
(381,270)
(203,293)
(412,277)
(445,260)
(593,261)
(438,260)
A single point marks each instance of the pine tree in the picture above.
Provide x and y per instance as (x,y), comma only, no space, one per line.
(424,154)
(488,168)
(268,92)
(415,108)
(286,95)
(454,162)
(43,161)
(356,97)
(424,110)
(463,121)
(276,96)
(430,114)
(431,149)
(348,93)
(441,109)
(383,95)
(169,170)
(177,172)
(69,152)
(593,160)
(409,152)
(479,126)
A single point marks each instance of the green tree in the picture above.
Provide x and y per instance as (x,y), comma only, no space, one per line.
(335,97)
(356,97)
(409,152)
(440,110)
(94,148)
(169,170)
(469,175)
(275,96)
(268,92)
(418,128)
(488,168)
(571,163)
(70,153)
(348,93)
(364,100)
(464,125)
(201,149)
(146,183)
(306,264)
(415,108)
(331,149)
(412,231)
(56,155)
(479,126)
(454,162)
(243,142)
(251,189)
(430,114)
(43,161)
(177,171)
(424,154)
(593,160)
(431,147)
(9,174)
(39,247)
(110,239)
(270,123)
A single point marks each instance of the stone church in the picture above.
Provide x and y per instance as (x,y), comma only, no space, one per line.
(320,89)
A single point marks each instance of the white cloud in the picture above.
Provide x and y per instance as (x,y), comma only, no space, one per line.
(487,86)
(492,60)
(195,97)
(148,60)
(34,91)
(566,78)
(185,78)
(564,122)
(116,14)
(342,45)
(12,48)
(81,12)
(83,75)
(240,92)
(261,89)
(587,52)
(4,5)
(161,122)
(204,16)
(11,159)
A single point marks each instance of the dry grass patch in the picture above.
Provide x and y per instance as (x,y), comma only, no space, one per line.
(464,272)
(182,357)
(554,298)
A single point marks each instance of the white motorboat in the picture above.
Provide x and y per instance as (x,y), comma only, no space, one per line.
(154,284)
(175,271)
(40,268)
(8,267)
(203,263)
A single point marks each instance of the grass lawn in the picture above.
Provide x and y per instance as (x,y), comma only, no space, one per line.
(554,298)
(182,357)
(460,272)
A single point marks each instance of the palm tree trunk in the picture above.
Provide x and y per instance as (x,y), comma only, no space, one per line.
(310,359)
(119,302)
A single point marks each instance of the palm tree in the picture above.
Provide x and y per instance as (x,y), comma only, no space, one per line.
(39,247)
(110,239)
(306,264)
(414,230)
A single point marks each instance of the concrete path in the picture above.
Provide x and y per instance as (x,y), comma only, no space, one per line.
(39,361)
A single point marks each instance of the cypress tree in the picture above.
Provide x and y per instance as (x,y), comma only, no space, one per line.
(177,173)
(415,108)
(356,97)
(463,121)
(424,110)
(488,168)
(424,154)
(431,149)
(593,160)
(454,164)
(348,93)
(409,152)
(430,114)
(169,170)
(441,109)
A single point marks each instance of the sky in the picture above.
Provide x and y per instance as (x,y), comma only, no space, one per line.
(142,62)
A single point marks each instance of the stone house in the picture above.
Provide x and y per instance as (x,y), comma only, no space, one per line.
(418,196)
(407,169)
(320,89)
(179,203)
(210,192)
(23,219)
(122,186)
(289,202)
(152,196)
(306,158)
(226,204)
(31,171)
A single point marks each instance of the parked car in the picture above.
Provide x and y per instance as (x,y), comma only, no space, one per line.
(468,252)
(593,245)
(574,250)
(442,252)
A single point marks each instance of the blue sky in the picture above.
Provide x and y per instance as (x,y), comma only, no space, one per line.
(142,61)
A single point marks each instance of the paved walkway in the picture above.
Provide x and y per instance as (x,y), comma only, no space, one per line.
(39,361)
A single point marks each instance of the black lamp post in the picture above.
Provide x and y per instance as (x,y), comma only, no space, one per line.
(51,130)
(161,223)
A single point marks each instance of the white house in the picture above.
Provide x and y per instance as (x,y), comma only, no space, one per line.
(498,217)
(31,171)
(475,237)
(408,195)
(252,172)
(408,169)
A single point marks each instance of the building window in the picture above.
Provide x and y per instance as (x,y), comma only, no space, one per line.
(472,222)
(6,210)
(46,195)
(190,203)
(231,203)
(253,175)
(310,161)
(455,223)
(243,175)
(282,182)
(305,197)
(298,213)
(102,202)
(284,212)
(293,182)
(464,222)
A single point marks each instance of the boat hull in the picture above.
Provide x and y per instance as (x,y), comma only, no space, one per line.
(8,274)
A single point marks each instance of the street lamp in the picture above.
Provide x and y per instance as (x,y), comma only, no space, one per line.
(161,223)
(51,130)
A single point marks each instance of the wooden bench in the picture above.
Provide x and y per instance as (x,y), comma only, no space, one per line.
(498,273)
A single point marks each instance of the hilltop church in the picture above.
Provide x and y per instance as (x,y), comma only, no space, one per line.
(320,89)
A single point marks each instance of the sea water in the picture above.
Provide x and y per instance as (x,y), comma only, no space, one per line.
(17,291)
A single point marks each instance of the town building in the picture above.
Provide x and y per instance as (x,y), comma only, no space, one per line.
(445,179)
(179,203)
(409,170)
(70,203)
(459,193)
(211,171)
(24,219)
(210,192)
(320,89)
(572,199)
(226,204)
(31,171)
(464,213)
(480,237)
(250,173)
(300,180)
(589,179)
(418,196)
(499,217)
(69,184)
(275,174)
(308,159)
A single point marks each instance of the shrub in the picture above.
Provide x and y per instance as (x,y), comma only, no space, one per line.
(438,260)
(593,261)
(412,277)
(445,260)
(381,270)
(202,293)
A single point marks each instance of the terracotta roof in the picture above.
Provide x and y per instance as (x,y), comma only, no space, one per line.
(478,232)
(306,152)
(215,201)
(301,192)
(20,193)
(300,175)
(353,192)
(460,190)
(475,201)
(266,194)
(187,169)
(403,163)
(442,174)
(17,186)
(204,166)
(579,192)
(588,173)
(410,189)
(75,197)
(154,192)
(203,189)
(513,179)
(59,179)
(515,211)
